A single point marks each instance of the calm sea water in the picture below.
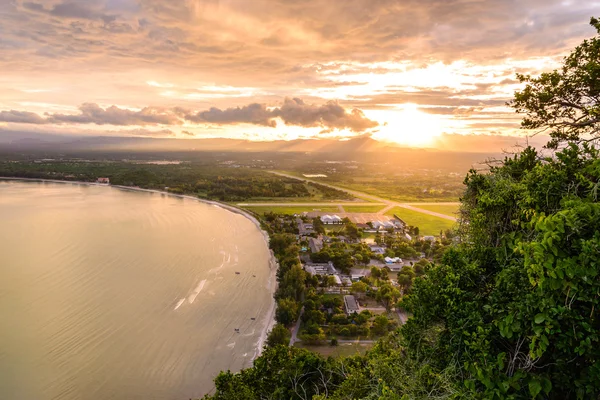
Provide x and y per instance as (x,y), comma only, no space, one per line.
(113,294)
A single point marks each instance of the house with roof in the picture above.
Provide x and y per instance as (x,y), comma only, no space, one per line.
(357,273)
(351,305)
(383,225)
(315,245)
(323,269)
(377,249)
(304,228)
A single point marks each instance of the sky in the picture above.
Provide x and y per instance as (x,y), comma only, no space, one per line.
(413,72)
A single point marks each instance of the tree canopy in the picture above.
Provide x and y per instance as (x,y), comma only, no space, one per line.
(565,102)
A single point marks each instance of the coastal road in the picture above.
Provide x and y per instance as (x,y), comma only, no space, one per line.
(376,199)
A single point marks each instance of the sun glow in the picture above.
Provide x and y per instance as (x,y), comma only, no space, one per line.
(407,125)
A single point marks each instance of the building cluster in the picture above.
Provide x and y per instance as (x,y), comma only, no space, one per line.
(338,281)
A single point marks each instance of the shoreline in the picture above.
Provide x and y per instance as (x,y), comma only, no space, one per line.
(269,320)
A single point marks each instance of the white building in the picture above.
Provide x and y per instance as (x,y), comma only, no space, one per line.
(331,219)
(351,304)
(382,225)
(392,260)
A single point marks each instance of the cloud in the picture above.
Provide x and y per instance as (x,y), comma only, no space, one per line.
(71,10)
(255,113)
(330,115)
(294,111)
(91,113)
(363,53)
(21,117)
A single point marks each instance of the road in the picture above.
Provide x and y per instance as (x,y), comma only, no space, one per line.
(294,337)
(376,199)
(334,204)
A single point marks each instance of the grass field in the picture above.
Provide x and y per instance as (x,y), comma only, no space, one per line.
(428,224)
(440,208)
(343,349)
(289,210)
(363,209)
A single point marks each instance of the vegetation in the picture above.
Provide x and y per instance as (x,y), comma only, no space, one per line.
(209,182)
(340,350)
(511,311)
(428,224)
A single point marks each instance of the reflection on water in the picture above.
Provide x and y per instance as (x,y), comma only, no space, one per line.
(111,294)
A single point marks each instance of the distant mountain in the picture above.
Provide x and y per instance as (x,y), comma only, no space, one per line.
(11,141)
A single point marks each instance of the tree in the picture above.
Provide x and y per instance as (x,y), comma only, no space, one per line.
(387,295)
(351,230)
(279,242)
(515,305)
(343,261)
(421,266)
(405,281)
(378,237)
(384,274)
(375,272)
(358,288)
(565,102)
(287,311)
(380,325)
(279,335)
(318,226)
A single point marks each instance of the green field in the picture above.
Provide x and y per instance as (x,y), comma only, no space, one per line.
(342,350)
(363,209)
(428,224)
(289,210)
(445,209)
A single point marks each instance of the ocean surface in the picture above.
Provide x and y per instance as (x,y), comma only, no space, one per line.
(116,294)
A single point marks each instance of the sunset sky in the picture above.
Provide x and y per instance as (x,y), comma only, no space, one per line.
(402,71)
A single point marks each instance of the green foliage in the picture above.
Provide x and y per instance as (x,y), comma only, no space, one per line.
(565,102)
(205,181)
(279,335)
(517,301)
(421,266)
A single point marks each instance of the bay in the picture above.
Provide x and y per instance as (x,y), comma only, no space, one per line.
(115,294)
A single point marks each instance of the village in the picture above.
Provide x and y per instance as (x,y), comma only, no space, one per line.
(355,270)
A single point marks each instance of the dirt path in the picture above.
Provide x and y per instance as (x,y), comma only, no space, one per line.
(294,337)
